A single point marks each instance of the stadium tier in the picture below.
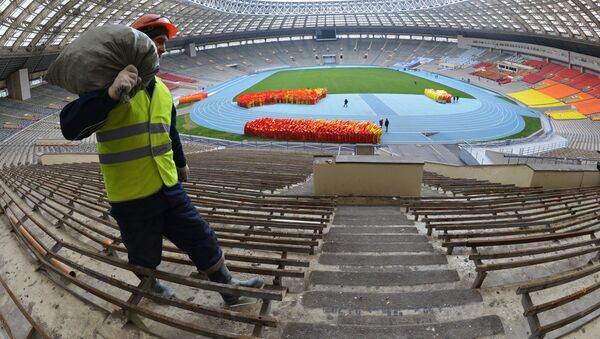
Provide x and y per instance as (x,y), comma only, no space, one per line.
(566,74)
(582,77)
(536,63)
(176,78)
(536,99)
(581,96)
(589,106)
(558,91)
(565,115)
(590,82)
(595,91)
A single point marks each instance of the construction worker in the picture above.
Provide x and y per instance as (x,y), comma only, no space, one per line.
(142,162)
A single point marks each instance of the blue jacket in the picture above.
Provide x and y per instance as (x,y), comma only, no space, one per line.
(84,116)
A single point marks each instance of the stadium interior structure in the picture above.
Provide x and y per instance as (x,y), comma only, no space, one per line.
(485,238)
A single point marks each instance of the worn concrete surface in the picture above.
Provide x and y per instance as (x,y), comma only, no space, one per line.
(368,286)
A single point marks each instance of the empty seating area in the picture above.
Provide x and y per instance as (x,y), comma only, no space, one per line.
(586,84)
(571,153)
(466,58)
(558,91)
(531,238)
(536,99)
(175,78)
(571,114)
(588,106)
(213,66)
(16,115)
(62,210)
(536,63)
(566,75)
(581,133)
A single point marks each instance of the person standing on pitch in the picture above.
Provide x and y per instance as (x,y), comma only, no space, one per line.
(386,123)
(142,163)
(345,102)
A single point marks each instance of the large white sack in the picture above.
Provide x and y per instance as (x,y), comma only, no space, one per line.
(93,60)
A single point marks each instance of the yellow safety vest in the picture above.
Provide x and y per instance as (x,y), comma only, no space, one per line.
(134,146)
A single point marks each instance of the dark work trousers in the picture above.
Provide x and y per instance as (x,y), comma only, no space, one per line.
(181,224)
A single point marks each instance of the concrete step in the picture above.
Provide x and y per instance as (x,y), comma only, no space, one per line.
(408,278)
(389,301)
(471,328)
(370,215)
(376,238)
(382,260)
(356,247)
(386,320)
(384,220)
(372,230)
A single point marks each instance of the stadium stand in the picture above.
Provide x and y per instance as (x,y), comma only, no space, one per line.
(69,194)
(533,78)
(566,75)
(571,153)
(533,98)
(483,65)
(588,106)
(595,92)
(582,77)
(582,134)
(566,115)
(558,91)
(466,58)
(546,71)
(587,83)
(581,96)
(511,228)
(536,63)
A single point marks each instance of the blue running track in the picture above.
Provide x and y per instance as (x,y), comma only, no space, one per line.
(411,117)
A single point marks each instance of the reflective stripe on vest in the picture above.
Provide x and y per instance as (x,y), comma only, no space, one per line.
(134,154)
(132,130)
(134,146)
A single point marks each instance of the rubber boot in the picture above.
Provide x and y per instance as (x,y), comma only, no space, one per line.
(162,289)
(222,275)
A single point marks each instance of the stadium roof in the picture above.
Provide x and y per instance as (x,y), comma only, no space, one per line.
(30,27)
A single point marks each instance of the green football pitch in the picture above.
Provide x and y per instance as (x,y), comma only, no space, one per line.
(351,80)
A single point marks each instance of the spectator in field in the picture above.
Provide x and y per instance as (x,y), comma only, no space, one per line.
(345,102)
(380,123)
(387,123)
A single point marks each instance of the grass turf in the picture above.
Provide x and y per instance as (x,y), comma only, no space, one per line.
(185,125)
(532,125)
(351,80)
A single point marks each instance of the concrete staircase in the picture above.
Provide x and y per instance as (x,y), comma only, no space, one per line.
(379,278)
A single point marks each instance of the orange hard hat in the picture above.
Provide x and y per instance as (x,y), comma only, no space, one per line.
(150,20)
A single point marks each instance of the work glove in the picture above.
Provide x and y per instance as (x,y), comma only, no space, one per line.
(125,81)
(183,173)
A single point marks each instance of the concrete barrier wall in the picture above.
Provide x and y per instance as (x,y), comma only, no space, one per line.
(67,158)
(518,175)
(367,177)
(557,179)
(590,178)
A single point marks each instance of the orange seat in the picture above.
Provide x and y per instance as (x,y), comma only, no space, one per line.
(588,107)
(558,91)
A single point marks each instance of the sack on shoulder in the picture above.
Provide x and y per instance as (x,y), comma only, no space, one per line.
(92,61)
